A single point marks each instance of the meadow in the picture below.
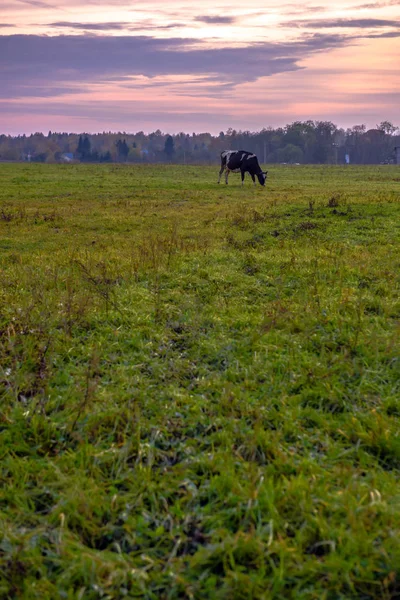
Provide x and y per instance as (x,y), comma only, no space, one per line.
(200,384)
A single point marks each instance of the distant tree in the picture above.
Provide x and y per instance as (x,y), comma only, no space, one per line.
(358,130)
(83,150)
(302,141)
(106,157)
(301,134)
(122,150)
(86,148)
(169,147)
(79,148)
(40,157)
(323,147)
(354,142)
(387,127)
(290,154)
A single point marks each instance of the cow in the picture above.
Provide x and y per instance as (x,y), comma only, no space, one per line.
(240,161)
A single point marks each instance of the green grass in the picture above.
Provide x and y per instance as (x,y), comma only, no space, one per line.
(200,383)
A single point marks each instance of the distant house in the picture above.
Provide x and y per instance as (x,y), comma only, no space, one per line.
(67,157)
(397,155)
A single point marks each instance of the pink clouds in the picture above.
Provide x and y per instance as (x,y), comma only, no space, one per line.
(179,68)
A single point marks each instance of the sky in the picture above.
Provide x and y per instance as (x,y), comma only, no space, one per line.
(143,65)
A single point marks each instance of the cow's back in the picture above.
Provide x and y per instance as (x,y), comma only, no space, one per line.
(235,159)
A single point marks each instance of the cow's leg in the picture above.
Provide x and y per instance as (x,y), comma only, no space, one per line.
(253,178)
(242,174)
(227,171)
(220,172)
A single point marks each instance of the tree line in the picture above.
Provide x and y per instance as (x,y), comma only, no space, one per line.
(318,142)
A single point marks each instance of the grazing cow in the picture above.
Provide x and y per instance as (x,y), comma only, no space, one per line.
(240,161)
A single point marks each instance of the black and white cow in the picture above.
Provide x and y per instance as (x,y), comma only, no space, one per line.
(240,161)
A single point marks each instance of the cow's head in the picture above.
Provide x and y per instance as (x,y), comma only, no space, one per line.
(262,177)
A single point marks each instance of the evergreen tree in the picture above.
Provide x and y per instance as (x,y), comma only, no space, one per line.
(86,148)
(106,157)
(83,150)
(169,147)
(79,149)
(122,150)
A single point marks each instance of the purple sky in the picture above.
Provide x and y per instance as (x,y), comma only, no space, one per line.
(143,65)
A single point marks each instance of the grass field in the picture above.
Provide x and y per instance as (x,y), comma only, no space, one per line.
(200,383)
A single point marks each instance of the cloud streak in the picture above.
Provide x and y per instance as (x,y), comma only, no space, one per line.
(216,20)
(376,5)
(113,26)
(38,4)
(344,23)
(91,26)
(42,65)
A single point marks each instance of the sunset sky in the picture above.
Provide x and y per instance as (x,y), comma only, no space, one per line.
(121,65)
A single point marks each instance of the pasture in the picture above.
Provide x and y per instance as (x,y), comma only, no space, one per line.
(199,384)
